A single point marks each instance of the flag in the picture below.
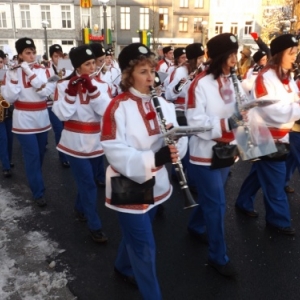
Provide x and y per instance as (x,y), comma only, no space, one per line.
(143,37)
(108,37)
(86,35)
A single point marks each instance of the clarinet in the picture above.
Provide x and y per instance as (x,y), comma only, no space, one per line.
(189,201)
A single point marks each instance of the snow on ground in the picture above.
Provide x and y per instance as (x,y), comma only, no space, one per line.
(25,273)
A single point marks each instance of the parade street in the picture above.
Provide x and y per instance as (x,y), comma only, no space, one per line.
(268,264)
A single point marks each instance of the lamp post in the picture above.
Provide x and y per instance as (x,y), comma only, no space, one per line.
(45,24)
(104,2)
(203,31)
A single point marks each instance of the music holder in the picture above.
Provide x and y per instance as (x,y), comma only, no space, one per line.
(258,103)
(65,64)
(54,78)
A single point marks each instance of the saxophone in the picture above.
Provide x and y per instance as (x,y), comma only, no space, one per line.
(3,107)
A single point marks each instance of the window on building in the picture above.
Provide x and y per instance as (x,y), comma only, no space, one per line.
(3,23)
(67,42)
(198,24)
(2,43)
(234,28)
(184,3)
(66,16)
(125,18)
(163,18)
(45,11)
(25,16)
(144,18)
(199,4)
(219,27)
(183,24)
(86,17)
(248,27)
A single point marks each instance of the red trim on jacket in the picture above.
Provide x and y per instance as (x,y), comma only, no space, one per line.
(30,106)
(191,92)
(82,127)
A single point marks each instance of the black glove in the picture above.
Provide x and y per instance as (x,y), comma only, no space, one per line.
(176,87)
(162,156)
(234,120)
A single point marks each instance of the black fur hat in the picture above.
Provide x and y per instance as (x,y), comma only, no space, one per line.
(257,56)
(80,54)
(194,50)
(283,42)
(55,48)
(97,49)
(24,43)
(167,49)
(220,44)
(178,52)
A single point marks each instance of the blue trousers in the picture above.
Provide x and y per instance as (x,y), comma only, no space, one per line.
(270,176)
(100,173)
(33,149)
(293,159)
(136,255)
(6,143)
(209,214)
(84,170)
(57,126)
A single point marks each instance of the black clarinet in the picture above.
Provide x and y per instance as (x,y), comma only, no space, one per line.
(189,201)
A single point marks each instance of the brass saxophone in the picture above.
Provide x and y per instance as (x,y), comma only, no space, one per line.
(4,105)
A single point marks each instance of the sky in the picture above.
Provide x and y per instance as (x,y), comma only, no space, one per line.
(24,257)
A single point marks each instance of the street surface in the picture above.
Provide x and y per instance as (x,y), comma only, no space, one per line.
(268,264)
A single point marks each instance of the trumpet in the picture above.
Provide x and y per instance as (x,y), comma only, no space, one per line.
(19,65)
(190,77)
(189,201)
(94,74)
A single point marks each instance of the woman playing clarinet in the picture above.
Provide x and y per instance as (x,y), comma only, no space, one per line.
(136,152)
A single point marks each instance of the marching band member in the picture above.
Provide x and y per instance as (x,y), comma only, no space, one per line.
(268,173)
(80,105)
(260,60)
(105,91)
(56,53)
(164,64)
(135,149)
(179,60)
(177,89)
(112,76)
(211,102)
(24,87)
(6,135)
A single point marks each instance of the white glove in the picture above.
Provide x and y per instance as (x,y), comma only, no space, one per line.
(26,68)
(12,75)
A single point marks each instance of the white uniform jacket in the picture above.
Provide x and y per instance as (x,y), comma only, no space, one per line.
(130,139)
(206,107)
(171,94)
(82,116)
(113,77)
(249,80)
(279,117)
(28,94)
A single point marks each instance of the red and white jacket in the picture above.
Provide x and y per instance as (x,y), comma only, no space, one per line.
(130,139)
(82,116)
(28,94)
(207,108)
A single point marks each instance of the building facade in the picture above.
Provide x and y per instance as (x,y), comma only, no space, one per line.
(157,22)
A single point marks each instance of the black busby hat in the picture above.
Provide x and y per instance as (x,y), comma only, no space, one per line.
(179,51)
(97,49)
(167,49)
(194,50)
(15,57)
(221,44)
(80,54)
(283,42)
(108,52)
(131,52)
(55,48)
(257,56)
(2,54)
(24,43)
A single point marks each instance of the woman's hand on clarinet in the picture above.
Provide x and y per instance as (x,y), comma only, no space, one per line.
(72,88)
(87,83)
(165,155)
